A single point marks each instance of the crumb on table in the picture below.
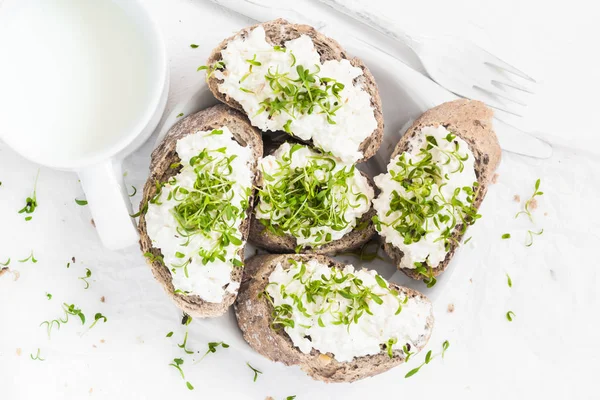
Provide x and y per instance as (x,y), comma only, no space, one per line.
(533,204)
(517,198)
(102,299)
(451,308)
(18,351)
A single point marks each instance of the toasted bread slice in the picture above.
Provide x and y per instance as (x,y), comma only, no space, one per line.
(361,234)
(163,157)
(254,315)
(471,121)
(277,33)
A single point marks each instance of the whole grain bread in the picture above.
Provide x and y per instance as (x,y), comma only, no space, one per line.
(160,171)
(253,313)
(278,32)
(356,238)
(470,120)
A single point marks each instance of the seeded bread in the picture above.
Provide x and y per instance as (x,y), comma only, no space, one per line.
(471,121)
(162,158)
(253,315)
(278,32)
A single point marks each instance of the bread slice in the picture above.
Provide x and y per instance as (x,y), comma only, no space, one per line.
(253,313)
(280,31)
(263,238)
(162,158)
(470,120)
(361,234)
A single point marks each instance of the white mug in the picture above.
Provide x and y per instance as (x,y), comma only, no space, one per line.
(83,84)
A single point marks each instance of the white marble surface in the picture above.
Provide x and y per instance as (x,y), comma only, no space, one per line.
(550,350)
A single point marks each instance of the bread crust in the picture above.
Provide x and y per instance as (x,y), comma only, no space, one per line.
(162,158)
(278,32)
(253,314)
(470,120)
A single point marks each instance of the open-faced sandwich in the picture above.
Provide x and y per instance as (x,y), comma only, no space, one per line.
(291,78)
(338,323)
(436,180)
(311,202)
(196,208)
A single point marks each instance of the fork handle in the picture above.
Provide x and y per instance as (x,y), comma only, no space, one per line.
(378,22)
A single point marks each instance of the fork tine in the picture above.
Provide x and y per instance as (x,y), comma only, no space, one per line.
(512,85)
(501,95)
(498,63)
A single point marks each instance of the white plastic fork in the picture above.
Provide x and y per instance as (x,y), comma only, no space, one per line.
(456,64)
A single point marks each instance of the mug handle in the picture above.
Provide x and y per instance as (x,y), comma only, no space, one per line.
(109,204)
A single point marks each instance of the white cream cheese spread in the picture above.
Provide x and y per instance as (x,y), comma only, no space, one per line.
(425,194)
(288,88)
(195,217)
(314,197)
(349,313)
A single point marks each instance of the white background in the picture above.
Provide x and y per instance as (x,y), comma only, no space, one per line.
(550,350)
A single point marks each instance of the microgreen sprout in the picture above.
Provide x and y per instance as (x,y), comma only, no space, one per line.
(510,315)
(31,258)
(445,346)
(506,236)
(427,272)
(428,358)
(84,278)
(169,334)
(186,319)
(6,263)
(134,191)
(407,352)
(390,343)
(37,356)
(97,318)
(49,296)
(530,237)
(81,202)
(179,115)
(194,46)
(536,192)
(212,348)
(31,202)
(152,258)
(210,69)
(413,371)
(256,372)
(141,211)
(68,310)
(177,363)
(184,344)
(308,201)
(508,280)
